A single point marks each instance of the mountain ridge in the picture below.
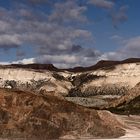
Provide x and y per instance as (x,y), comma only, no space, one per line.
(99,65)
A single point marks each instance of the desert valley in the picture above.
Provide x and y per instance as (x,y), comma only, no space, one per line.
(40,101)
(69,70)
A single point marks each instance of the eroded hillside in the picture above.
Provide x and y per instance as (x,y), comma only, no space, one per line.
(94,88)
(27,115)
(40,100)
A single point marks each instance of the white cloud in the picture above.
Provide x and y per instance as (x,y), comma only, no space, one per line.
(57,37)
(116,37)
(24,61)
(7,40)
(43,31)
(102,3)
(68,11)
(86,56)
(61,61)
(132,43)
(130,49)
(4,63)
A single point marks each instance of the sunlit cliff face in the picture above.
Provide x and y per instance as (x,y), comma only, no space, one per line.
(123,75)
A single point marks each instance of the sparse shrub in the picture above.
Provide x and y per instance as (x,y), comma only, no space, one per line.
(95,90)
(83,78)
(75,92)
(58,77)
(36,85)
(32,85)
(10,83)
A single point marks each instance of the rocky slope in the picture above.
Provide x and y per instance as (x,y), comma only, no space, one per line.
(128,104)
(34,81)
(113,77)
(94,86)
(37,100)
(102,87)
(108,81)
(30,116)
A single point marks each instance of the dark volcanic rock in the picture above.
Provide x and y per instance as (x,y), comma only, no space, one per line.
(50,67)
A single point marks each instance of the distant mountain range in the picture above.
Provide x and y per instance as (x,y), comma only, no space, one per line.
(99,65)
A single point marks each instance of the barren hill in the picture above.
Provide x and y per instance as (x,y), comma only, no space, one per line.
(107,81)
(41,100)
(30,116)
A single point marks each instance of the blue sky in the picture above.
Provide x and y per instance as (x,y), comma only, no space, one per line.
(68,33)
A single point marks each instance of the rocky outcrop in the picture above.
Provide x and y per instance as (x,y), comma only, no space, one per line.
(116,81)
(37,100)
(34,81)
(34,66)
(95,88)
(104,64)
(106,89)
(31,116)
(99,88)
(128,104)
(120,79)
(101,81)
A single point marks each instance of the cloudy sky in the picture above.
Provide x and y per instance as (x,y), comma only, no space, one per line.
(68,33)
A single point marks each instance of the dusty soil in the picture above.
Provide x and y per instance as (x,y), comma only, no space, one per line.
(132,124)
